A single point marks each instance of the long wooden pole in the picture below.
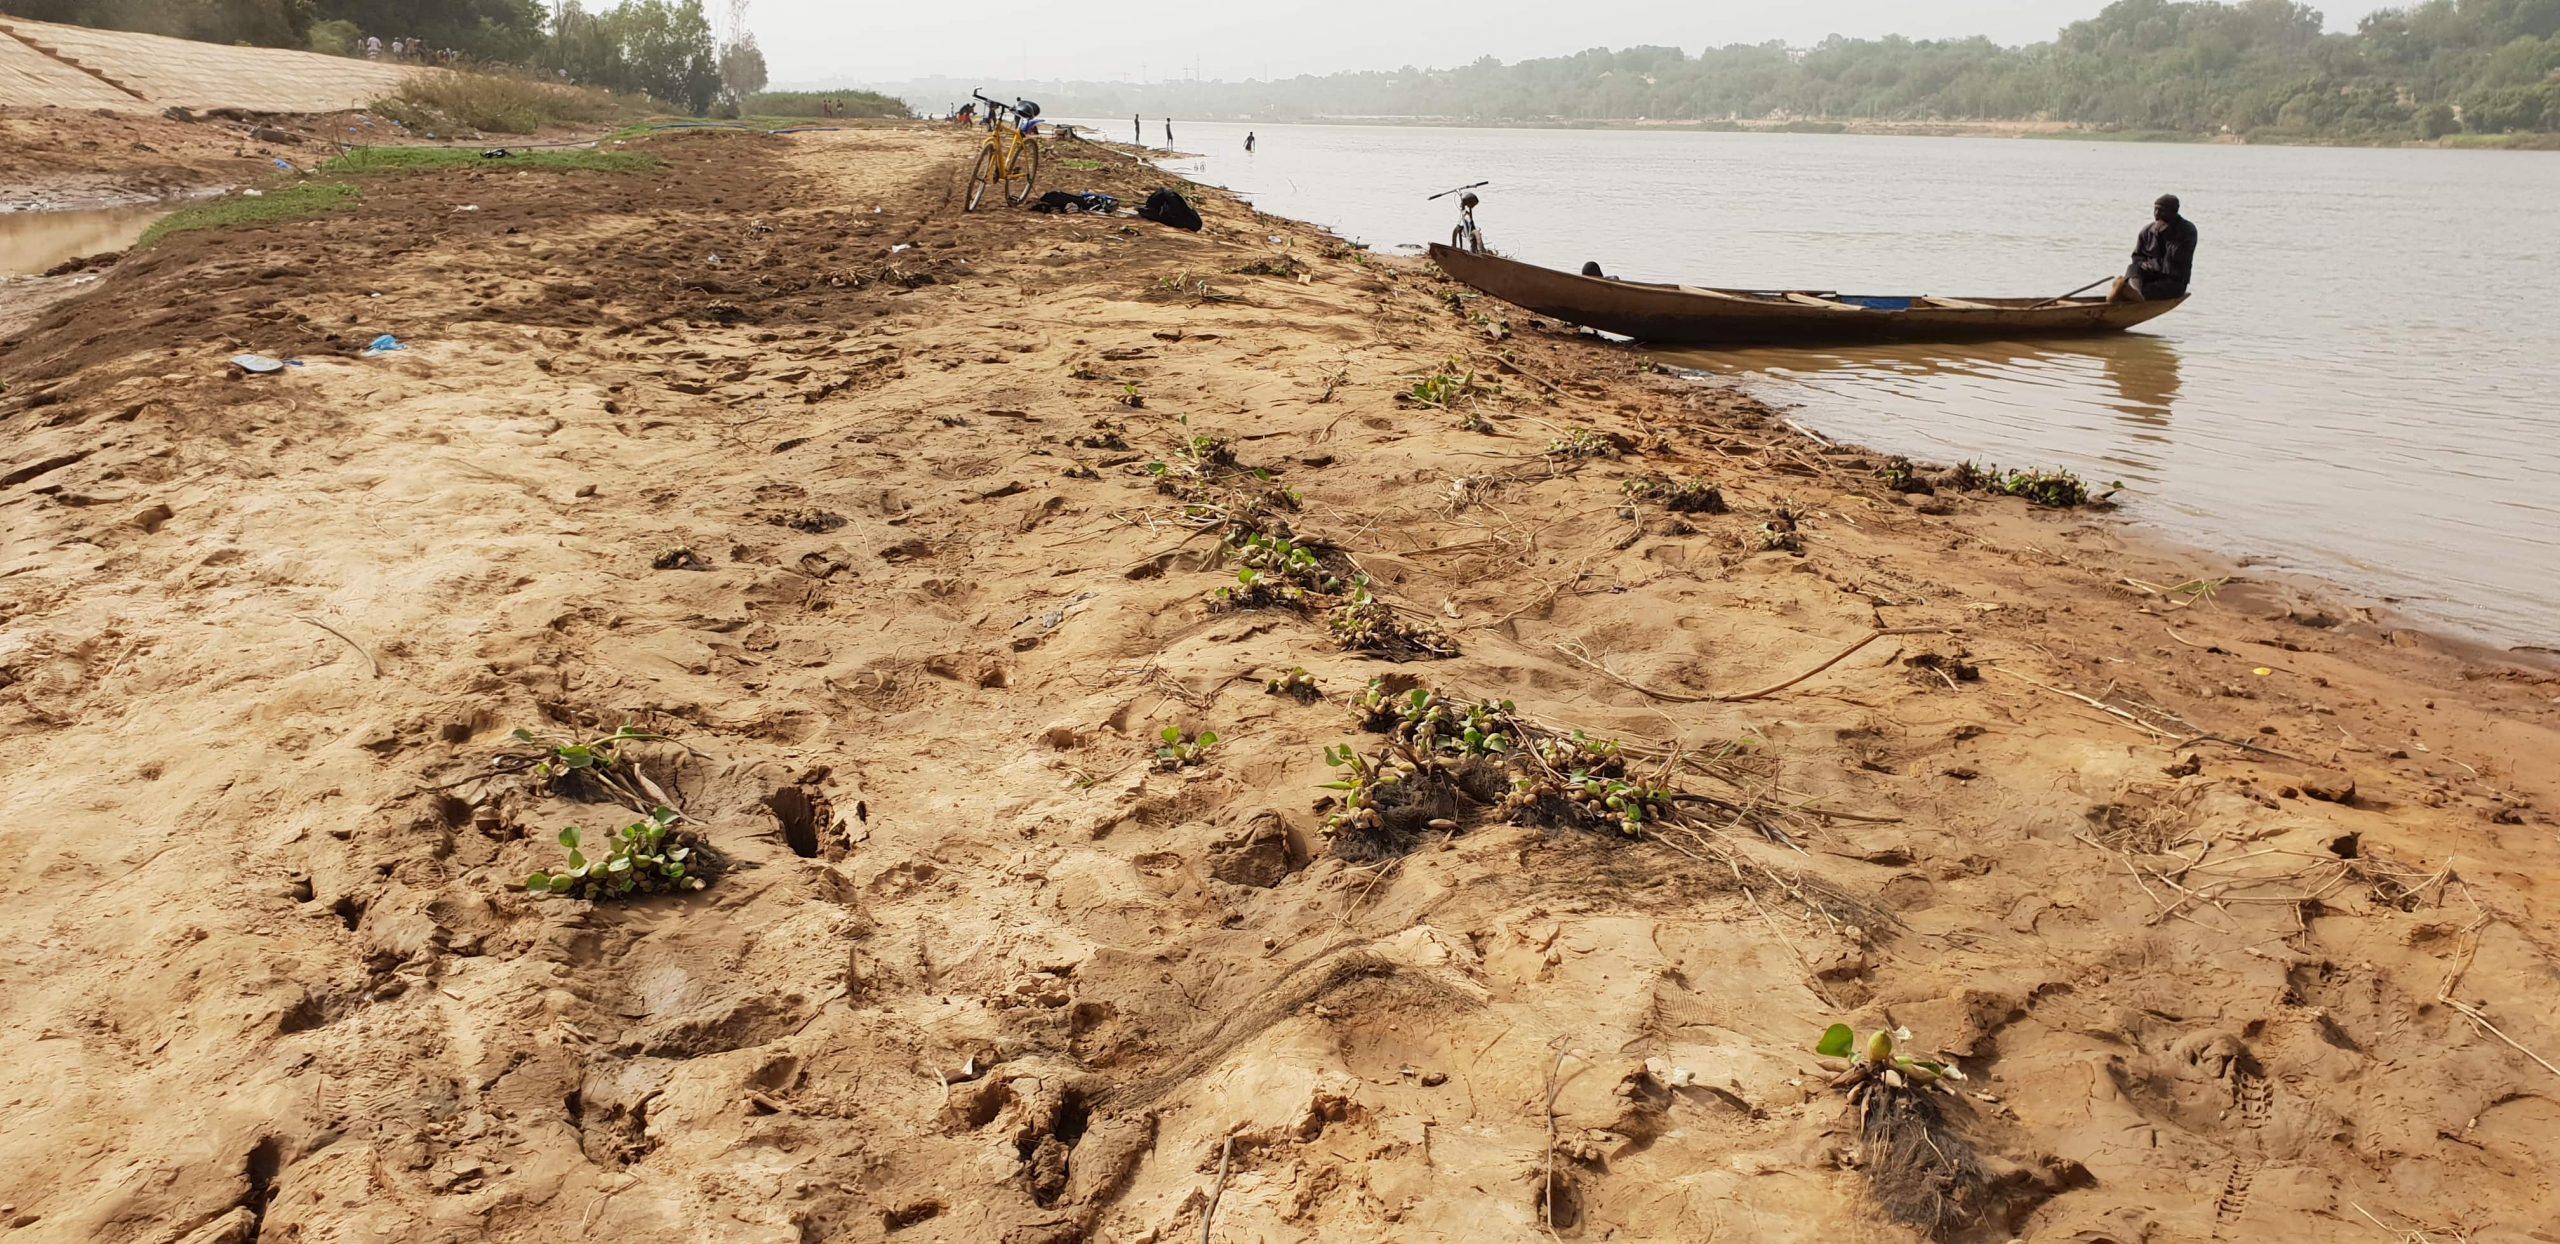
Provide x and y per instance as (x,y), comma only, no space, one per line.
(2082,290)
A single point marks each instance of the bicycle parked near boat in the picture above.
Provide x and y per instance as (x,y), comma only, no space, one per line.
(1466,236)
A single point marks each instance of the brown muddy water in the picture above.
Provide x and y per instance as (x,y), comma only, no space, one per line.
(2364,388)
(31,242)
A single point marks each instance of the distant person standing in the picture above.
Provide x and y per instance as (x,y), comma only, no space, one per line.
(1168,133)
(373,47)
(1137,131)
(1248,142)
(2164,257)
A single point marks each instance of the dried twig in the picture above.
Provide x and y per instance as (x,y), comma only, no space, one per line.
(1547,1195)
(360,649)
(2098,704)
(2241,744)
(1678,698)
(2492,1029)
(1210,1214)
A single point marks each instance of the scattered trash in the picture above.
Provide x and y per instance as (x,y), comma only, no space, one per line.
(497,153)
(468,207)
(714,261)
(286,165)
(380,346)
(259,364)
(902,246)
(253,194)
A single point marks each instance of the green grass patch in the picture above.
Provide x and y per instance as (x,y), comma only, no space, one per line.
(294,202)
(2119,136)
(381,160)
(447,100)
(815,104)
(2503,142)
(1083,166)
(666,126)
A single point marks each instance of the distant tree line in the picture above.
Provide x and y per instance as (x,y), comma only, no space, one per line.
(663,49)
(2261,68)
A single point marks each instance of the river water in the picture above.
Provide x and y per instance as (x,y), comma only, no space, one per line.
(31,242)
(2364,388)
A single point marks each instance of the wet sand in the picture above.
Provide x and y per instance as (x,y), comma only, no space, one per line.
(2231,905)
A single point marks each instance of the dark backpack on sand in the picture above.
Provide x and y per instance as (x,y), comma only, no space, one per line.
(1167,208)
(1071,203)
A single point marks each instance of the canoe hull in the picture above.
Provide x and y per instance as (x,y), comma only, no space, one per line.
(1684,315)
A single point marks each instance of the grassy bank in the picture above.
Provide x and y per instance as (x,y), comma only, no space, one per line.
(451,100)
(814,104)
(293,202)
(2120,136)
(2503,142)
(387,160)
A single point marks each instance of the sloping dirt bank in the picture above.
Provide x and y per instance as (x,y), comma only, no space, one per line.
(860,518)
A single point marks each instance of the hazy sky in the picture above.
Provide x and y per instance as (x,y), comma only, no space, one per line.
(1131,40)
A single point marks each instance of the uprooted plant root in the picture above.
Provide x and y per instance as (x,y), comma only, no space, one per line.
(1919,1165)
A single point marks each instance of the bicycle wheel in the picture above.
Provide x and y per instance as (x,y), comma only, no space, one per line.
(1026,169)
(980,175)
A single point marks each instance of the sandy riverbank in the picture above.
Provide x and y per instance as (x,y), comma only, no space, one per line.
(2236,914)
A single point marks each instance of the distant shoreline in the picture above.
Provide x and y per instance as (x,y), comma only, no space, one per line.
(2049,131)
(2046,130)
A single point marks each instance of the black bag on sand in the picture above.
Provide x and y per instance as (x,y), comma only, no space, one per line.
(1167,208)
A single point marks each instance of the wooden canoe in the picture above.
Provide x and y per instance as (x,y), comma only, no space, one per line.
(1689,315)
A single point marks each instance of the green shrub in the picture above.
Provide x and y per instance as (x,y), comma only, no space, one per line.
(650,856)
(451,99)
(339,38)
(814,104)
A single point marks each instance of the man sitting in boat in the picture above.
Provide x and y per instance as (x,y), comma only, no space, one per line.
(2164,256)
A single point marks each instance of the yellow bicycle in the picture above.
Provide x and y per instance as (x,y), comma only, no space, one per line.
(1011,155)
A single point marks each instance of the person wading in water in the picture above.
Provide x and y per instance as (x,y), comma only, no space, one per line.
(2164,257)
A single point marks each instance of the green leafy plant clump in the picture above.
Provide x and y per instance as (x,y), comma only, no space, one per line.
(299,201)
(1878,1057)
(1444,756)
(1581,443)
(1680,496)
(1275,572)
(560,759)
(1900,475)
(1180,749)
(1581,778)
(1422,719)
(1297,684)
(1449,385)
(2057,488)
(649,856)
(1368,624)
